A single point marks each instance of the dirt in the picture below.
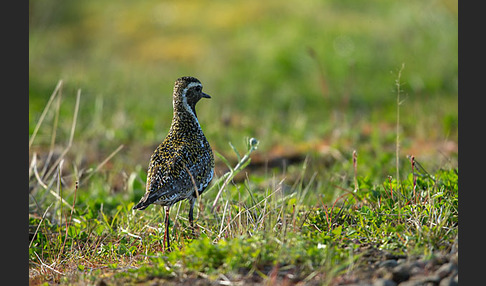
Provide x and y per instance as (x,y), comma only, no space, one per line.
(374,267)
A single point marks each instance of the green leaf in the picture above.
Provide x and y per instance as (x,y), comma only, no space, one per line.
(236,151)
(337,231)
(225,161)
(73,231)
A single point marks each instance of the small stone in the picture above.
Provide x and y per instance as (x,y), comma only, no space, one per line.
(384,282)
(417,268)
(449,281)
(401,260)
(446,269)
(395,256)
(388,263)
(401,273)
(421,280)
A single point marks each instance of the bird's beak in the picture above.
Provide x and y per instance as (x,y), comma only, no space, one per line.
(205,95)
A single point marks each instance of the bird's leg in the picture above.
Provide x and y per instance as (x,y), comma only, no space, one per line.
(192,200)
(191,217)
(166,235)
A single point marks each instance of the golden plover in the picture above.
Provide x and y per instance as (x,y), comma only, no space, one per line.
(184,161)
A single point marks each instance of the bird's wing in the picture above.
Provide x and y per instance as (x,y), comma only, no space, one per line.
(168,178)
(174,171)
(166,174)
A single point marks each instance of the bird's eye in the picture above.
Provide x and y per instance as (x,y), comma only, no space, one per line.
(198,88)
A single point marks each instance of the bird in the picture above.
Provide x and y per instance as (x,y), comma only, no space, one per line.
(182,166)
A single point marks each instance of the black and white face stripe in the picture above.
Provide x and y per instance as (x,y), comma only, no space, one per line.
(189,86)
(184,98)
(187,92)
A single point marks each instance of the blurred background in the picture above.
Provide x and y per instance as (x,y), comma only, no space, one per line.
(306,78)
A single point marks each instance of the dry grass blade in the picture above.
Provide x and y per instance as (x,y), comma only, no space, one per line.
(71,136)
(222,220)
(47,266)
(104,162)
(228,178)
(44,112)
(53,135)
(397,144)
(40,223)
(248,210)
(68,222)
(33,168)
(355,168)
(56,195)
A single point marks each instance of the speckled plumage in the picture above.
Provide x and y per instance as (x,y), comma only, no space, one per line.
(184,149)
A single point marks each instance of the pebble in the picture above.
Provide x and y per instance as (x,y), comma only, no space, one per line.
(446,269)
(421,280)
(384,282)
(440,270)
(388,263)
(388,269)
(450,281)
(401,272)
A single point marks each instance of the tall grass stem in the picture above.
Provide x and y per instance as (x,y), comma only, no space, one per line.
(397,145)
(44,112)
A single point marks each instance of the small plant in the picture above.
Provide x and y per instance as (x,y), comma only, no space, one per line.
(242,163)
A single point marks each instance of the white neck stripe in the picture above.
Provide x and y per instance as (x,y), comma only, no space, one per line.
(184,100)
(188,108)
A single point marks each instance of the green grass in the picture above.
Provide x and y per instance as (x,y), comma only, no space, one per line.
(252,230)
(125,59)
(313,81)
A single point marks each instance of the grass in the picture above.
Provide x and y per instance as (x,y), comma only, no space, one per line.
(355,52)
(255,230)
(353,150)
(251,231)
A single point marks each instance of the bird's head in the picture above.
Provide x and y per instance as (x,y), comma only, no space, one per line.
(187,92)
